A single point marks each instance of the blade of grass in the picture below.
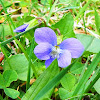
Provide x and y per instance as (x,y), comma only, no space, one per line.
(41,81)
(29,7)
(51,10)
(51,1)
(22,48)
(10,20)
(70,98)
(9,13)
(66,8)
(45,1)
(20,45)
(84,24)
(91,82)
(32,64)
(87,74)
(92,78)
(8,17)
(17,36)
(29,66)
(53,82)
(83,70)
(3,32)
(33,67)
(82,9)
(97,21)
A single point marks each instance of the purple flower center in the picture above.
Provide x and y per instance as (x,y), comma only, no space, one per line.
(55,52)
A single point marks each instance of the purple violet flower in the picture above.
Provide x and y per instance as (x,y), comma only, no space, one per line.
(47,48)
(21,28)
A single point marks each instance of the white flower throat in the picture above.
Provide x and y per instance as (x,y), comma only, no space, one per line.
(55,52)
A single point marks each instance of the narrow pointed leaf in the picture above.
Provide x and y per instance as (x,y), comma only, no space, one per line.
(44,78)
(52,83)
(97,21)
(87,74)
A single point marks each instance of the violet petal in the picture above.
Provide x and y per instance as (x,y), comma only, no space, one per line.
(49,61)
(74,46)
(21,28)
(64,59)
(45,34)
(42,51)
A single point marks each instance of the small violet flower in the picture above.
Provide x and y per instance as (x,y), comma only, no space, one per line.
(47,48)
(21,28)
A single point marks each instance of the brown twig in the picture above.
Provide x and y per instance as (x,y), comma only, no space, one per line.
(58,31)
(42,20)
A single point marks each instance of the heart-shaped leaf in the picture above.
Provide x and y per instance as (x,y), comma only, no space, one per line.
(9,76)
(11,93)
(68,82)
(19,63)
(64,94)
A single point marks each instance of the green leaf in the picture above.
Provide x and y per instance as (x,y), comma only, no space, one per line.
(95,0)
(11,93)
(44,78)
(64,94)
(97,86)
(51,10)
(9,76)
(1,98)
(6,29)
(82,9)
(90,83)
(65,25)
(85,77)
(32,23)
(2,83)
(97,21)
(18,63)
(28,18)
(68,82)
(90,43)
(52,83)
(77,68)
